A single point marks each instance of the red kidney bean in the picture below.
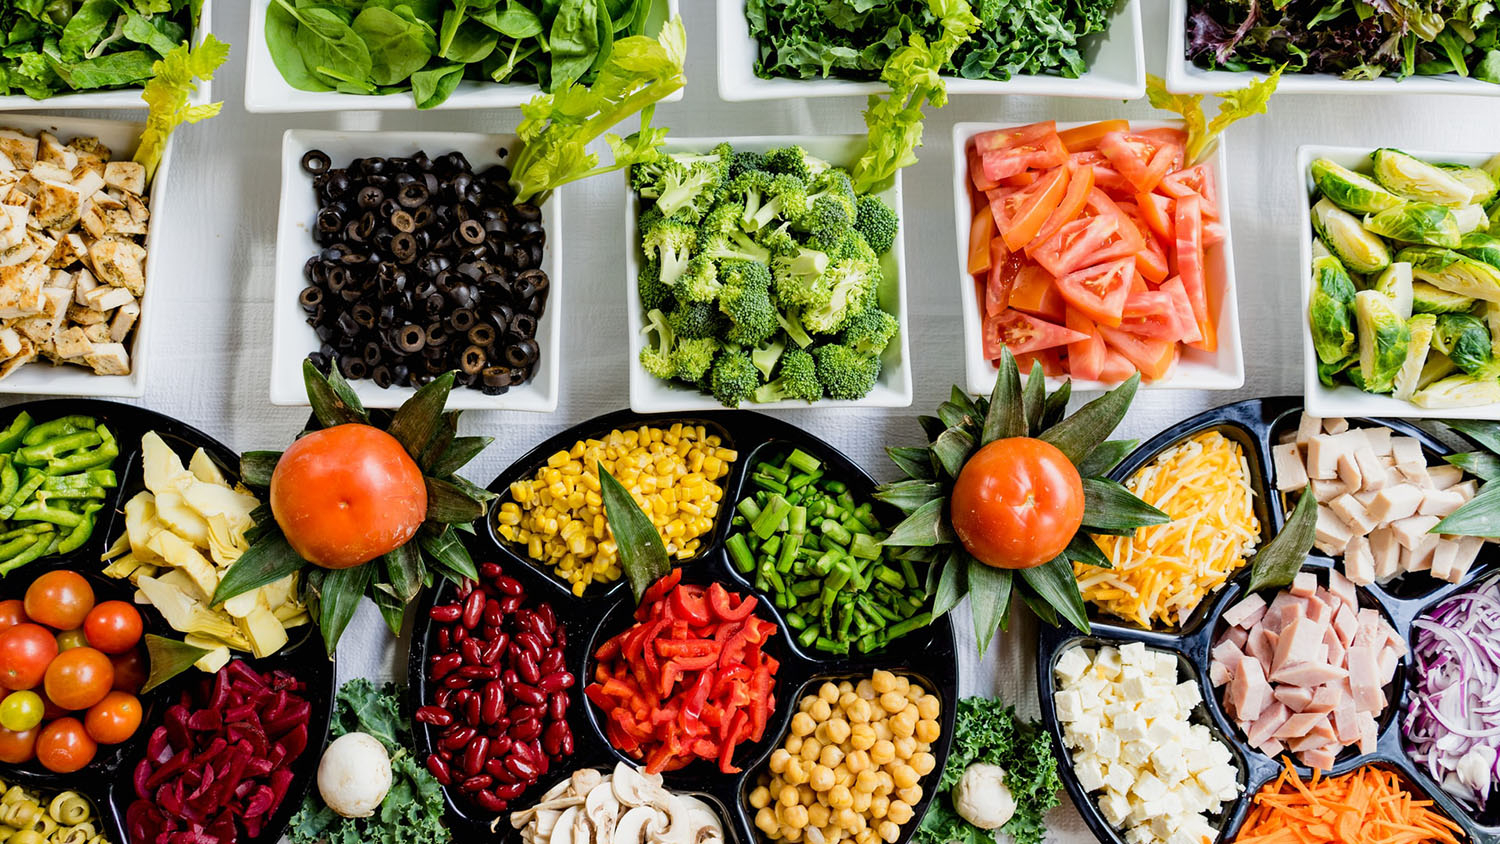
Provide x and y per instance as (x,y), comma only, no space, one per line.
(439,770)
(531,643)
(446,613)
(456,681)
(472,651)
(495,767)
(557,706)
(446,664)
(552,662)
(525,730)
(493,617)
(552,739)
(434,715)
(510,604)
(525,712)
(480,672)
(490,801)
(555,682)
(521,768)
(509,586)
(475,754)
(465,587)
(473,609)
(459,635)
(496,648)
(549,617)
(489,571)
(446,754)
(527,668)
(491,703)
(500,745)
(461,697)
(458,738)
(567,745)
(502,774)
(443,639)
(471,711)
(443,697)
(501,724)
(509,792)
(527,694)
(477,783)
(523,750)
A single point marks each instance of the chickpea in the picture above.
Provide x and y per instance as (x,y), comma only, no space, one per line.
(820,711)
(778,760)
(795,817)
(915,692)
(887,785)
(765,821)
(832,833)
(828,692)
(889,831)
(760,797)
(858,711)
(929,706)
(788,833)
(806,795)
(821,778)
(905,747)
(857,761)
(903,726)
(831,755)
(928,730)
(883,681)
(806,702)
(845,686)
(883,730)
(847,699)
(902,684)
(803,724)
(838,730)
(793,745)
(923,763)
(879,805)
(899,812)
(882,752)
(847,819)
(861,736)
(866,690)
(862,801)
(866,782)
(866,836)
(810,749)
(818,815)
(787,796)
(903,775)
(911,795)
(840,798)
(796,773)
(892,701)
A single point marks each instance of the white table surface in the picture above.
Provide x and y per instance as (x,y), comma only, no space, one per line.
(212,332)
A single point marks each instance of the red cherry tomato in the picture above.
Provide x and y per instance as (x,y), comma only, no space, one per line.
(131,670)
(25,652)
(69,639)
(1017,503)
(64,746)
(113,627)
(12,612)
(18,746)
(79,678)
(346,495)
(114,719)
(59,599)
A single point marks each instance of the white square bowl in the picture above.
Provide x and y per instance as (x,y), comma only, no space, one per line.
(1117,67)
(42,378)
(1184,77)
(124,98)
(1346,399)
(267,93)
(1196,370)
(649,394)
(292,339)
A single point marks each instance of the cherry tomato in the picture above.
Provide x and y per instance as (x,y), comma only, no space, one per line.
(113,627)
(21,710)
(69,639)
(12,612)
(79,678)
(64,746)
(131,670)
(25,652)
(114,719)
(17,747)
(59,599)
(1017,503)
(346,495)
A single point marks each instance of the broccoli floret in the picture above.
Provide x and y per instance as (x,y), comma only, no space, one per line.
(854,285)
(765,357)
(721,239)
(701,281)
(845,373)
(855,247)
(741,163)
(645,177)
(657,356)
(695,320)
(733,377)
(670,243)
(797,379)
(689,190)
(791,323)
(799,279)
(830,207)
(778,239)
(876,222)
(654,294)
(767,198)
(795,161)
(869,331)
(693,357)
(746,300)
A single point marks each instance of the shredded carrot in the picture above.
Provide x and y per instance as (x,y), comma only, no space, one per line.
(1365,806)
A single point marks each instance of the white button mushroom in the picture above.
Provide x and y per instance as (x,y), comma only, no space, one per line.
(354,775)
(982,798)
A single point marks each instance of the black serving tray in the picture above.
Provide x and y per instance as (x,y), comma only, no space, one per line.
(107,781)
(928,656)
(1257,425)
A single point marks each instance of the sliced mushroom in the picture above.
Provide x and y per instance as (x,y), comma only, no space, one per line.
(634,825)
(704,821)
(603,810)
(634,787)
(566,827)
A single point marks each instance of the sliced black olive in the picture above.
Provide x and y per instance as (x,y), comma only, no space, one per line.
(522,353)
(330,220)
(404,248)
(462,320)
(316,161)
(381,375)
(473,360)
(411,338)
(482,335)
(353,368)
(523,325)
(497,376)
(364,315)
(403,221)
(371,197)
(413,195)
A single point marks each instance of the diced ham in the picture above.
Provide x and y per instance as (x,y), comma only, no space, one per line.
(1248,691)
(1340,587)
(1346,722)
(1364,676)
(1247,612)
(1345,623)
(1336,650)
(1218,673)
(1321,759)
(1267,724)
(1395,503)
(1298,644)
(1304,585)
(1316,609)
(1325,698)
(1296,698)
(1369,733)
(1299,725)
(1238,635)
(1284,607)
(1387,663)
(1309,674)
(1228,653)
(1262,645)
(1359,563)
(1291,473)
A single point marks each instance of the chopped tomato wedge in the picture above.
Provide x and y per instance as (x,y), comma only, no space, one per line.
(1002,277)
(1020,215)
(1100,291)
(1020,180)
(1157,211)
(1151,314)
(1023,333)
(1154,358)
(1189,262)
(1080,183)
(1183,309)
(1117,367)
(1141,159)
(1213,234)
(1085,357)
(1035,292)
(981,232)
(1086,137)
(981,182)
(1048,358)
(1103,234)
(1151,261)
(1006,152)
(1194,181)
(1164,135)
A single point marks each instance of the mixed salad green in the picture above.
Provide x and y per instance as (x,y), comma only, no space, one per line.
(68,46)
(1406,279)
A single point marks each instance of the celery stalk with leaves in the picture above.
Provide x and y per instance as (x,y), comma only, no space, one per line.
(1233,106)
(174,79)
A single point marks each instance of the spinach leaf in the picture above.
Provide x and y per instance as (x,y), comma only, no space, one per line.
(433,85)
(575,40)
(516,21)
(330,48)
(473,42)
(281,39)
(397,47)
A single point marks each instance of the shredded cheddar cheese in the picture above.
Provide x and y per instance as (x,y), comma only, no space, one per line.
(1161,573)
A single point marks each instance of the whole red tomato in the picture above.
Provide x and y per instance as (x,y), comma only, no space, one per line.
(114,719)
(64,746)
(12,612)
(346,495)
(1017,503)
(113,627)
(25,652)
(79,678)
(131,670)
(59,599)
(18,746)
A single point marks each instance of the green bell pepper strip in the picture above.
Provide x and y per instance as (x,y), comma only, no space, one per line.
(59,427)
(81,531)
(35,550)
(101,478)
(28,488)
(10,479)
(41,453)
(27,531)
(101,455)
(71,493)
(41,511)
(14,434)
(16,545)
